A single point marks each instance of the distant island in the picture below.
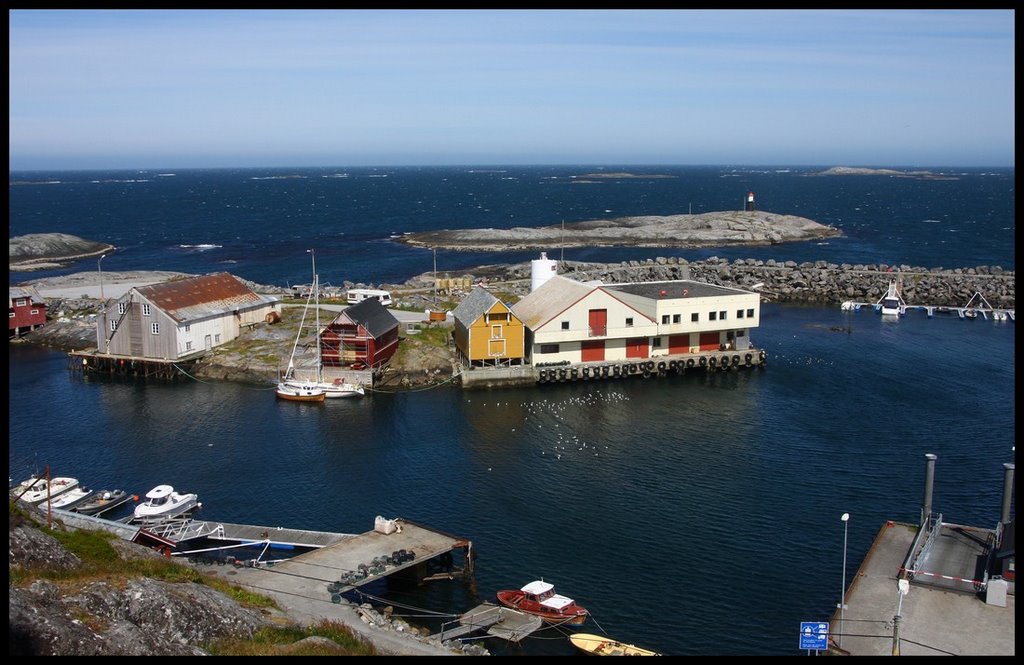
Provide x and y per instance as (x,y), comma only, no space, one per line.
(853,170)
(619,176)
(710,229)
(42,251)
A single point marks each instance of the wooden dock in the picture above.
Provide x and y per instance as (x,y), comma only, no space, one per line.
(323,574)
(503,622)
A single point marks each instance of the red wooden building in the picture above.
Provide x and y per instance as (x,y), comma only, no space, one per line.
(362,335)
(28,310)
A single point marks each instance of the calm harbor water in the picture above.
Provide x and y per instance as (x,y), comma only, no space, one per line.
(693,515)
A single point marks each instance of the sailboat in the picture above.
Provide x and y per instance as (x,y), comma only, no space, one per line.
(290,387)
(319,389)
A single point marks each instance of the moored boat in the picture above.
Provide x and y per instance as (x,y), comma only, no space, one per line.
(598,645)
(539,598)
(163,502)
(300,391)
(71,498)
(341,388)
(102,501)
(36,491)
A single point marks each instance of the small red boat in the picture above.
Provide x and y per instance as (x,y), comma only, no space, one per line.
(539,598)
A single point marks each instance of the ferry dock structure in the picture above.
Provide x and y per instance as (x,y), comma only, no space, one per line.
(892,304)
(933,588)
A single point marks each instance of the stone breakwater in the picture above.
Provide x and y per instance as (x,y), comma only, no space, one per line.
(814,283)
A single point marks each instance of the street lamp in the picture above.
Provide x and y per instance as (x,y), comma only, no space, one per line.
(99,266)
(842,598)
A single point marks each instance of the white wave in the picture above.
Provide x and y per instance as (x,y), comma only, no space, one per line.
(166,175)
(932,221)
(202,247)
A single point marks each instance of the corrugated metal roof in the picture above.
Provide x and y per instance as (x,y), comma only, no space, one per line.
(30,292)
(549,300)
(201,297)
(473,306)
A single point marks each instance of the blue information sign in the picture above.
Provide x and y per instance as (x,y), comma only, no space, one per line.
(814,635)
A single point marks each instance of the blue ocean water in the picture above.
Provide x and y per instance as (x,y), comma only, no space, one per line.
(694,515)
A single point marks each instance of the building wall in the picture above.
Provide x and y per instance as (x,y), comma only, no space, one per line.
(621,341)
(490,338)
(22,316)
(135,337)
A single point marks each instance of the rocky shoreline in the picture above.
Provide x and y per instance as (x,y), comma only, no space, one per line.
(420,364)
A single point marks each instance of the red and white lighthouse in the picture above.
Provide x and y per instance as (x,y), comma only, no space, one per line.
(749,207)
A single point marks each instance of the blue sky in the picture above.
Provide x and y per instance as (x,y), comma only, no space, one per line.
(205,88)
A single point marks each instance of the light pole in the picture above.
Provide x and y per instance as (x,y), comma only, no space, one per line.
(842,598)
(99,266)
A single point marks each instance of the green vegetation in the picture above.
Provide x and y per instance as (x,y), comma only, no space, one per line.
(282,640)
(102,562)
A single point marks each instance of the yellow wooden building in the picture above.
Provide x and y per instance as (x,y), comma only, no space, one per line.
(486,332)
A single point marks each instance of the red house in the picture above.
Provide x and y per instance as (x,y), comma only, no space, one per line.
(28,310)
(362,335)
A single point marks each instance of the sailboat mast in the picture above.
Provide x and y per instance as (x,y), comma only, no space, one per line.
(316,291)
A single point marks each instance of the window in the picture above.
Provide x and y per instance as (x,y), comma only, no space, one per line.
(121,308)
(145,309)
(20,302)
(188,328)
(565,325)
(11,315)
(629,321)
(750,313)
(216,338)
(695,317)
(156,328)
(676,318)
(33,311)
(721,315)
(656,342)
(712,316)
(188,346)
(739,314)
(664,318)
(113,325)
(549,348)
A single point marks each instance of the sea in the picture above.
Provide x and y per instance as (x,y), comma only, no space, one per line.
(693,515)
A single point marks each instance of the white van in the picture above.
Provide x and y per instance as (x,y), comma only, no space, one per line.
(359,295)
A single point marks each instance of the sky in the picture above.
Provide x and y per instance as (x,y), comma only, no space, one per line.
(236,88)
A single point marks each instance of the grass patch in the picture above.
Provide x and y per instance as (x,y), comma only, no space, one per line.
(281,640)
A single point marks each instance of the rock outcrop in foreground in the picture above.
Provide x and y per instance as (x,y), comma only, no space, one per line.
(711,229)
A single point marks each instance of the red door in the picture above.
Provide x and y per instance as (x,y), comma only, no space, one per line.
(598,320)
(593,350)
(636,347)
(710,341)
(678,344)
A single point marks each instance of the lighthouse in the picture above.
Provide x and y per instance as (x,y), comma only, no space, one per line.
(749,207)
(541,270)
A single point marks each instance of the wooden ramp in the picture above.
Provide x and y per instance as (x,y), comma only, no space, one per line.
(503,622)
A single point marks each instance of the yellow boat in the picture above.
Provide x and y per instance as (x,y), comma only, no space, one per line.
(596,645)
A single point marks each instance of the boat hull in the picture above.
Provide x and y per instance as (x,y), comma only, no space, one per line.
(102,502)
(294,393)
(597,645)
(573,615)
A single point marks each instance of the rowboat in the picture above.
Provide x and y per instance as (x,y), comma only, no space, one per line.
(597,645)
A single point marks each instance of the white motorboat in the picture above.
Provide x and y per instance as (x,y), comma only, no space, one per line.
(39,489)
(892,304)
(163,502)
(71,498)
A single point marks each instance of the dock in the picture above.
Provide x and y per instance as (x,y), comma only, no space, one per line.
(325,573)
(503,622)
(976,307)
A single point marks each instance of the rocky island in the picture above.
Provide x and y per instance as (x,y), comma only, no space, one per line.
(42,251)
(854,170)
(710,229)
